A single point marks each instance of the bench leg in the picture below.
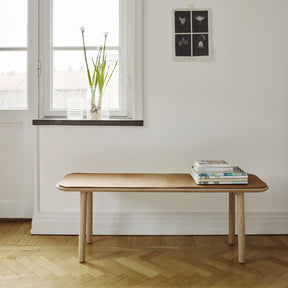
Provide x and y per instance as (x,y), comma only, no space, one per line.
(231,238)
(241,227)
(89,217)
(82,233)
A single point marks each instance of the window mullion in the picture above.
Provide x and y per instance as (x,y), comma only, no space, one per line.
(80,48)
(14,49)
(45,56)
(32,57)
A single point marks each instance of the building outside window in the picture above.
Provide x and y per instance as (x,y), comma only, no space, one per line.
(13,54)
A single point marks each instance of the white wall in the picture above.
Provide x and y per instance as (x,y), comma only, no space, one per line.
(233,107)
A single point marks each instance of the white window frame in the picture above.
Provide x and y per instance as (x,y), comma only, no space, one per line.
(131,75)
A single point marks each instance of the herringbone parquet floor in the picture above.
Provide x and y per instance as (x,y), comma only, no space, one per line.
(139,261)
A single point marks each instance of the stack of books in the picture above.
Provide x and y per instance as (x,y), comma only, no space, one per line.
(217,172)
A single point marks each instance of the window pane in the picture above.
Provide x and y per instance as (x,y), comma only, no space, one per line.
(70,77)
(13,80)
(97,16)
(13,23)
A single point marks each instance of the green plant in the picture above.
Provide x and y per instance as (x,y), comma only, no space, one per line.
(99,76)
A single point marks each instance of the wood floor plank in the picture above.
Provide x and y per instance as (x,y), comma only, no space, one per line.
(7,231)
(263,281)
(281,282)
(5,270)
(137,267)
(51,267)
(270,267)
(33,267)
(16,266)
(92,270)
(141,259)
(115,268)
(234,280)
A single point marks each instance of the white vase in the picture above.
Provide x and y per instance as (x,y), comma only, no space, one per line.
(95,109)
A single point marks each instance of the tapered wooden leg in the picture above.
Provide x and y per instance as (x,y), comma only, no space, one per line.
(82,233)
(89,217)
(241,227)
(231,237)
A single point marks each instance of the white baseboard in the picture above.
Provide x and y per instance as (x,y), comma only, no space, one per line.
(158,223)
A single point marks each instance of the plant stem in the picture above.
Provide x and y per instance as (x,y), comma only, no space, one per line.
(85,56)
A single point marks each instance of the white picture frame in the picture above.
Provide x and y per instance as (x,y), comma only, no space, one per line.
(192,34)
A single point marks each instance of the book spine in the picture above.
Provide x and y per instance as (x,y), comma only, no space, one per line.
(213,169)
(222,180)
(221,183)
(211,164)
(205,176)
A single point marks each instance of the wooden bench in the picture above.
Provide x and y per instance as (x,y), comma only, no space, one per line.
(87,183)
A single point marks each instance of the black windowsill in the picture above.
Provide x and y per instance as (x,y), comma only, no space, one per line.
(85,122)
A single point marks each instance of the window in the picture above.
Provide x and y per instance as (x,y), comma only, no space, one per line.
(63,70)
(13,55)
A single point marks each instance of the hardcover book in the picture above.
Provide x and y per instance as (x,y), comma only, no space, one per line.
(236,172)
(212,163)
(210,169)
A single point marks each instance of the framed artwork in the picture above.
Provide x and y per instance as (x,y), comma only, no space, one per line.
(192,34)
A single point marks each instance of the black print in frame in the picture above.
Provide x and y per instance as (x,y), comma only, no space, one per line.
(183,45)
(182,22)
(200,45)
(200,21)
